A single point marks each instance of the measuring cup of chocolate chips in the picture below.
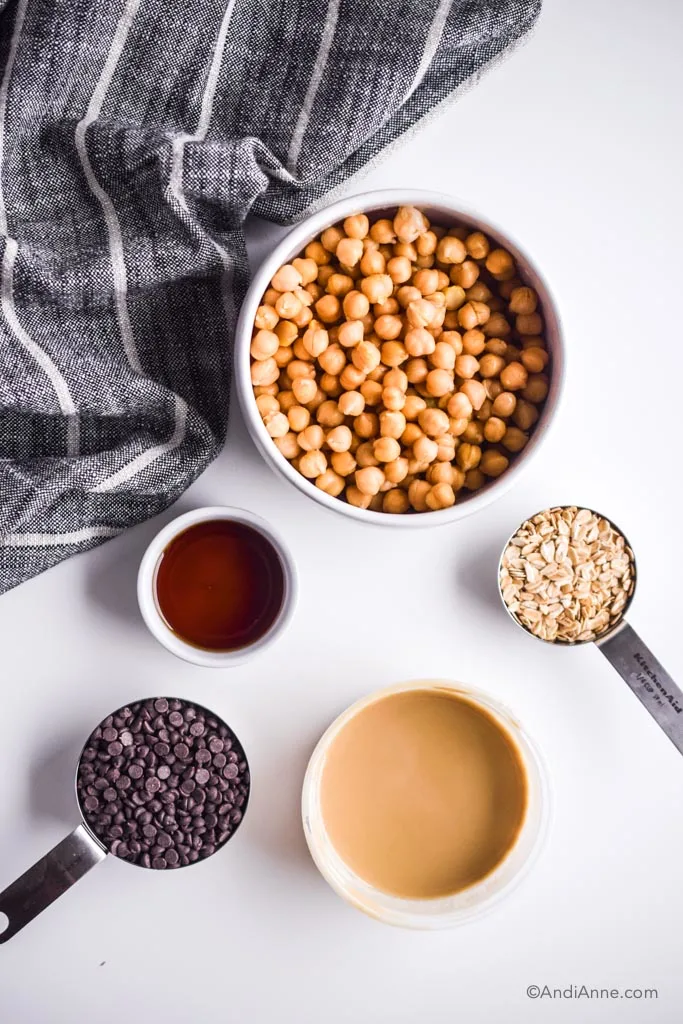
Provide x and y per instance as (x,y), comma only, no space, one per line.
(568,576)
(162,783)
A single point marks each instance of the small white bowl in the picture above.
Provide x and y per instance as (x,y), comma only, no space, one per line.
(155,621)
(477,899)
(441,209)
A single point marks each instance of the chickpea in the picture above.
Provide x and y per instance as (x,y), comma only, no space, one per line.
(523,300)
(417,494)
(315,341)
(410,434)
(529,323)
(459,406)
(357,498)
(365,454)
(270,297)
(393,398)
(371,392)
(472,314)
(288,446)
(303,317)
(515,439)
(473,342)
(494,429)
(426,281)
(399,269)
(497,346)
(276,424)
(264,345)
(465,274)
(497,326)
(397,470)
(318,398)
(479,292)
(355,305)
(312,464)
(388,327)
(266,318)
(343,463)
(425,449)
(377,287)
(439,382)
(350,333)
(404,249)
(409,223)
(390,307)
(493,463)
(366,425)
(339,438)
(351,403)
(300,353)
(264,371)
(421,313)
(493,388)
(330,482)
(395,500)
(314,291)
(267,404)
(419,342)
(329,383)
(349,251)
(328,308)
(490,365)
(288,305)
(514,377)
(500,264)
(466,366)
(283,356)
(304,390)
(534,359)
(446,447)
(407,294)
(525,415)
(450,250)
(454,298)
(440,496)
(365,356)
(468,456)
(286,279)
(382,232)
(386,449)
(369,479)
(474,479)
(351,377)
(413,406)
(339,285)
(536,389)
(392,423)
(473,432)
(287,400)
(433,422)
(298,418)
(357,226)
(373,262)
(504,404)
(311,439)
(477,245)
(331,237)
(443,357)
(300,368)
(485,411)
(328,414)
(286,332)
(308,270)
(417,370)
(393,353)
(332,359)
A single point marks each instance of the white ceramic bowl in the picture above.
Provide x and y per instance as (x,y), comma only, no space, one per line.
(477,899)
(441,209)
(147,600)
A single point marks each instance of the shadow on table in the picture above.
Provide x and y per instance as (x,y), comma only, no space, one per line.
(476,570)
(111,579)
(52,782)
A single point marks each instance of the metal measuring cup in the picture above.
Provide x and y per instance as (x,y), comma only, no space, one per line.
(623,648)
(82,849)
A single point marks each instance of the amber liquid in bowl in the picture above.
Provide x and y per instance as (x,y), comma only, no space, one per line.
(220,585)
(423,793)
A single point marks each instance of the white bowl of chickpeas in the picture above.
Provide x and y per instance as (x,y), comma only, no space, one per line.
(398,355)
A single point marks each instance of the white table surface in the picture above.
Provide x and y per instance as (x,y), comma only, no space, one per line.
(574,145)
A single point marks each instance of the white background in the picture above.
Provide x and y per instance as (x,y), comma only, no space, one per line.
(574,145)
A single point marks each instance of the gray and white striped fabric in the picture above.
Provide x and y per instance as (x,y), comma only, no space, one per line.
(135,138)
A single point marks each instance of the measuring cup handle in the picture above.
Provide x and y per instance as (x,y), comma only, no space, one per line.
(649,680)
(52,875)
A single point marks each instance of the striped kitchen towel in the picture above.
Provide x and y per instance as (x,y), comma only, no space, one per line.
(135,137)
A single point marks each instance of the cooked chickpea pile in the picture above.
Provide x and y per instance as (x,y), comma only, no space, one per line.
(397,364)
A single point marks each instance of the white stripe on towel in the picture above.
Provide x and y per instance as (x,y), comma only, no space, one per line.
(9,256)
(176,188)
(309,99)
(110,215)
(143,460)
(432,41)
(52,540)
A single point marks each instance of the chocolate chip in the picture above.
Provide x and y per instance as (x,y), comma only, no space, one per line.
(162,784)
